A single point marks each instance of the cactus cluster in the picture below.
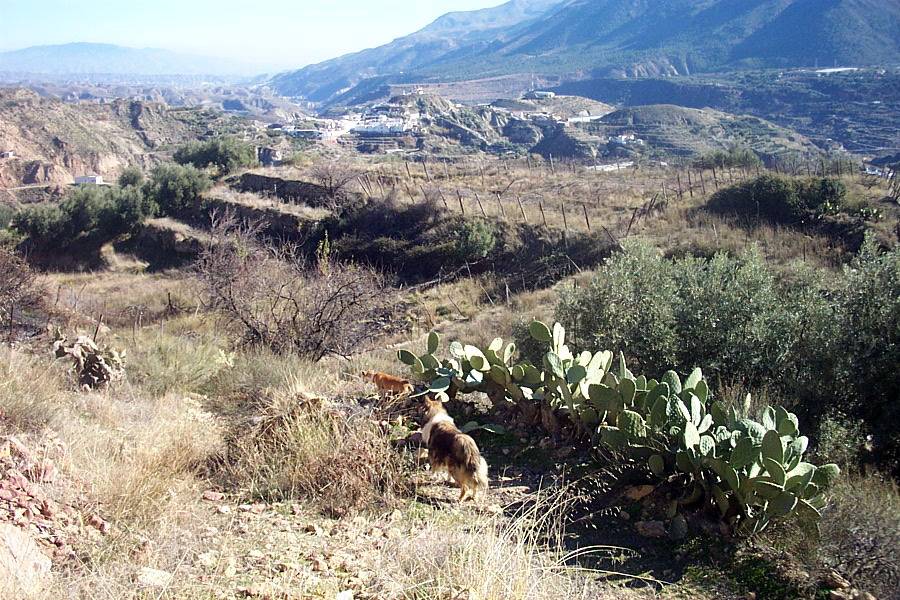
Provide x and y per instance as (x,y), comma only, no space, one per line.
(93,365)
(753,472)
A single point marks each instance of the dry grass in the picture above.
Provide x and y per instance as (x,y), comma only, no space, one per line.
(262,203)
(31,391)
(860,533)
(492,557)
(302,447)
(139,454)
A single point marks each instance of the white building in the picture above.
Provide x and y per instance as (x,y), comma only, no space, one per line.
(538,95)
(8,154)
(89,180)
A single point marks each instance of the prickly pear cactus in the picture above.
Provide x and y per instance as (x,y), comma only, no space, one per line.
(94,366)
(753,472)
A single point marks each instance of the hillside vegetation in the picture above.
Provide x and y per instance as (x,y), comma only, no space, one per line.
(710,414)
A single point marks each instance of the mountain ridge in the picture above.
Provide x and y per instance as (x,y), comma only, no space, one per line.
(622,38)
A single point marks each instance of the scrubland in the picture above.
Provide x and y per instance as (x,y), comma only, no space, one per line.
(227,466)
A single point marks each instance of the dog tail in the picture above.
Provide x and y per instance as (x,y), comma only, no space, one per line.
(481,474)
(475,463)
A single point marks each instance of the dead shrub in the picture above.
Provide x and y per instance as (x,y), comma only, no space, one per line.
(19,291)
(336,177)
(279,301)
(303,448)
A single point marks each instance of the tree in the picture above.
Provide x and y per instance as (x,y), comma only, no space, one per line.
(176,188)
(131,177)
(226,154)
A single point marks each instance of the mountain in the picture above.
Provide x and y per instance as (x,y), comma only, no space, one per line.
(81,59)
(440,41)
(625,38)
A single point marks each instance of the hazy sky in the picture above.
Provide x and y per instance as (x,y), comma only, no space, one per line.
(272,33)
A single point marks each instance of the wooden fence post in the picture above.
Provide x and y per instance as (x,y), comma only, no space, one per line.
(587,220)
(500,204)
(462,208)
(522,210)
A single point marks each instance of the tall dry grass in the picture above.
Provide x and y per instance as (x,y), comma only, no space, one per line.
(31,390)
(303,447)
(492,557)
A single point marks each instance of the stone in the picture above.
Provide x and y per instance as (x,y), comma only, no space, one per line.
(835,580)
(345,595)
(839,595)
(314,529)
(154,578)
(651,529)
(213,496)
(638,492)
(24,569)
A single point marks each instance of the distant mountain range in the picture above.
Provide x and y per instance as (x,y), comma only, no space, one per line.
(83,59)
(629,38)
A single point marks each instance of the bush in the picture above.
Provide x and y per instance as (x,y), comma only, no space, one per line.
(131,177)
(176,188)
(19,291)
(226,154)
(86,215)
(475,239)
(781,199)
(800,337)
(284,305)
(303,448)
(732,158)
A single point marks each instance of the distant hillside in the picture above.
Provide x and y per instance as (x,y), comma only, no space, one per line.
(53,141)
(447,38)
(669,129)
(88,59)
(631,38)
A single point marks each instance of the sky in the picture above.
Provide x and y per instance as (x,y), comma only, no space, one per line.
(273,34)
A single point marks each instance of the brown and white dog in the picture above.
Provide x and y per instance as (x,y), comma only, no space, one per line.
(452,451)
(388,385)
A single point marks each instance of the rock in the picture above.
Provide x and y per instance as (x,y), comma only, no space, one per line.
(213,496)
(835,580)
(154,578)
(638,492)
(224,509)
(18,449)
(24,569)
(255,554)
(99,524)
(651,529)
(314,529)
(839,595)
(345,595)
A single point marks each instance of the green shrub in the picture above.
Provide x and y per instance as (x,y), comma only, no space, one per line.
(86,215)
(822,345)
(781,199)
(176,188)
(475,239)
(736,157)
(7,213)
(226,154)
(131,177)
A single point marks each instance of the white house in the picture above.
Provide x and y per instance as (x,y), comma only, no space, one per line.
(89,180)
(8,154)
(538,95)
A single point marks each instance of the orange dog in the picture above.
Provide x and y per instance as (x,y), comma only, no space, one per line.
(388,385)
